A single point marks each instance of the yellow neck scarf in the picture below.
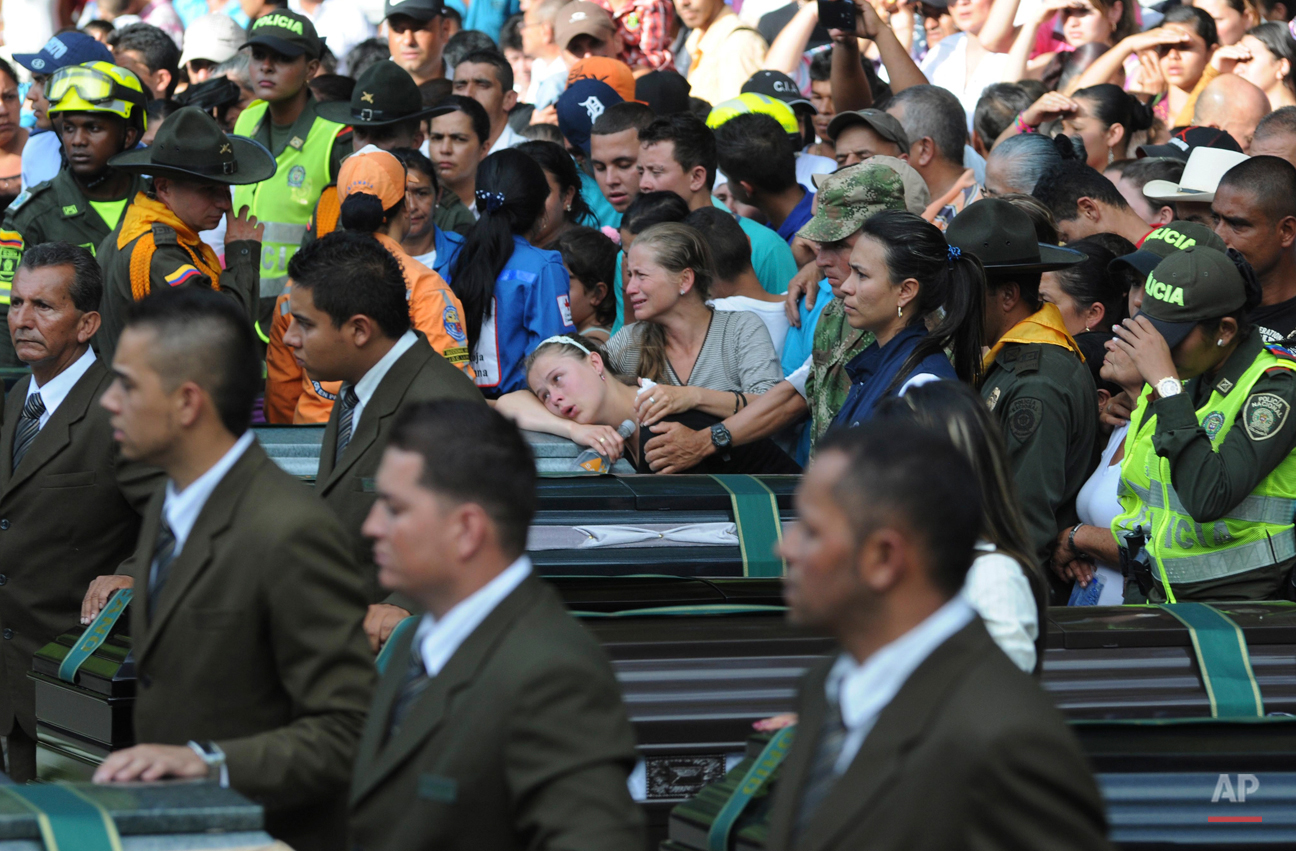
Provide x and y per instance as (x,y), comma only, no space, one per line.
(1043,326)
(140,217)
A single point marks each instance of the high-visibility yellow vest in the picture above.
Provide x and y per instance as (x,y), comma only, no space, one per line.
(284,203)
(1255,533)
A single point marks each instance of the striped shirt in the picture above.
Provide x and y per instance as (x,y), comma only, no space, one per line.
(737,354)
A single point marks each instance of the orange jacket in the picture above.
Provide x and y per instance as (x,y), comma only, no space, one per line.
(293,397)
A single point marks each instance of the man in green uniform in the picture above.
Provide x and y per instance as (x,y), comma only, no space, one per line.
(156,245)
(308,147)
(98,109)
(1036,382)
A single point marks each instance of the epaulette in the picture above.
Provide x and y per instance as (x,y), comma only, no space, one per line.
(1280,351)
(23,198)
(164,235)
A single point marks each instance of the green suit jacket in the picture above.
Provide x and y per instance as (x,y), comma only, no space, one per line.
(256,644)
(520,742)
(347,487)
(69,514)
(969,754)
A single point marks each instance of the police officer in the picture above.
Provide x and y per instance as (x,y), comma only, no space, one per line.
(156,246)
(1208,484)
(1036,382)
(308,147)
(98,109)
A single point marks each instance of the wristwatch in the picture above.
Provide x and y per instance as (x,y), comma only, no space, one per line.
(722,440)
(215,759)
(1169,386)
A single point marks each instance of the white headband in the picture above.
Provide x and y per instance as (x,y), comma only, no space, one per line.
(564,339)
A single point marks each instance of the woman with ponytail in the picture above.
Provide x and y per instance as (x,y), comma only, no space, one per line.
(371,188)
(514,294)
(921,299)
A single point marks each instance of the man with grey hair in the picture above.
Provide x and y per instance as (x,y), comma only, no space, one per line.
(71,506)
(1275,135)
(540,46)
(936,125)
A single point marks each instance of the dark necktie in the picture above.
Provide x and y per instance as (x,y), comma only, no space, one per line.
(416,681)
(823,770)
(163,554)
(349,402)
(28,427)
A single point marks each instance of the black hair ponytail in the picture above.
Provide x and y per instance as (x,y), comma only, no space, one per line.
(511,192)
(362,213)
(951,287)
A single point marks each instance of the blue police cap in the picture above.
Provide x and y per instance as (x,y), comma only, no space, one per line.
(69,48)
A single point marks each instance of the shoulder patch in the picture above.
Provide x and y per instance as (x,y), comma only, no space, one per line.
(182,275)
(1024,417)
(11,252)
(23,198)
(1281,352)
(1264,414)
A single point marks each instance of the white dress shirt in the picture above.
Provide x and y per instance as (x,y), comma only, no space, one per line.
(58,387)
(508,139)
(437,640)
(997,587)
(181,509)
(865,689)
(366,386)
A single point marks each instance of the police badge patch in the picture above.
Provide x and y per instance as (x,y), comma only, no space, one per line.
(296,176)
(994,398)
(1264,415)
(1213,423)
(1023,417)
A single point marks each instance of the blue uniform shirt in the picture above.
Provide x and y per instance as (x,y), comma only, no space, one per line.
(800,214)
(531,303)
(873,371)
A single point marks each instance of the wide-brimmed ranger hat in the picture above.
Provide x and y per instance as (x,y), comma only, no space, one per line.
(1003,238)
(191,145)
(1164,241)
(1189,287)
(384,94)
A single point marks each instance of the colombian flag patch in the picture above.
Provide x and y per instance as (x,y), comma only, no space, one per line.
(11,239)
(179,276)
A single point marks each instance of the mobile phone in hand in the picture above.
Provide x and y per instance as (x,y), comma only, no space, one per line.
(837,15)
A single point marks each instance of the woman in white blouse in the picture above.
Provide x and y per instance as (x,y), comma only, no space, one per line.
(1004,584)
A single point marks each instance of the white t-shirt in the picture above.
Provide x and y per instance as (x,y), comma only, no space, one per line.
(770,312)
(946,66)
(1097,505)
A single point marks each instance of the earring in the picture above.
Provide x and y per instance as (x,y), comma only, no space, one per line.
(568,208)
(681,292)
(1086,329)
(1219,343)
(899,311)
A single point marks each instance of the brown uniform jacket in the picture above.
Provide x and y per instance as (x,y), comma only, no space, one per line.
(69,514)
(256,644)
(419,375)
(520,742)
(969,754)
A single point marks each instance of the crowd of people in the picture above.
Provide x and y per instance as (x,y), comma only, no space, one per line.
(1059,235)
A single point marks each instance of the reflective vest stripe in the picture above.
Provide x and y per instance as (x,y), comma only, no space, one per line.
(1218,564)
(1253,509)
(284,232)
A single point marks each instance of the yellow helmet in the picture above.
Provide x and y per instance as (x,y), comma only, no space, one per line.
(98,87)
(753,102)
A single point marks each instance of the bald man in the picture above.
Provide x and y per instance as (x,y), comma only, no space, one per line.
(1232,104)
(1275,136)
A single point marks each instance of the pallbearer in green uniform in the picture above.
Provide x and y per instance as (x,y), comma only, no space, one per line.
(1036,382)
(308,148)
(98,110)
(1208,484)
(156,246)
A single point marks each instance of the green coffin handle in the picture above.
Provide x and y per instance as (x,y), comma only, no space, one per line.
(68,820)
(95,635)
(1222,656)
(756,517)
(753,781)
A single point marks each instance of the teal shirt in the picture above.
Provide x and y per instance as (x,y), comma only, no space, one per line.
(771,255)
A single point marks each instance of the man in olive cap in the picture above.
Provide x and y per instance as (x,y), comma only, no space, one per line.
(156,243)
(1036,383)
(819,382)
(865,133)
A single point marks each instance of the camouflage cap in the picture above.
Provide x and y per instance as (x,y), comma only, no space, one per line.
(851,195)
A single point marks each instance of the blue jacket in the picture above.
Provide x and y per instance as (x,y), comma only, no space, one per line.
(872,372)
(447,247)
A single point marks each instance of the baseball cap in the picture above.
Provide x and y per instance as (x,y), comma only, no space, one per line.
(667,92)
(580,106)
(917,195)
(64,49)
(1183,141)
(1188,287)
(373,171)
(614,72)
(419,10)
(582,17)
(776,84)
(882,123)
(215,38)
(1201,176)
(753,102)
(287,33)
(1166,240)
(849,196)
